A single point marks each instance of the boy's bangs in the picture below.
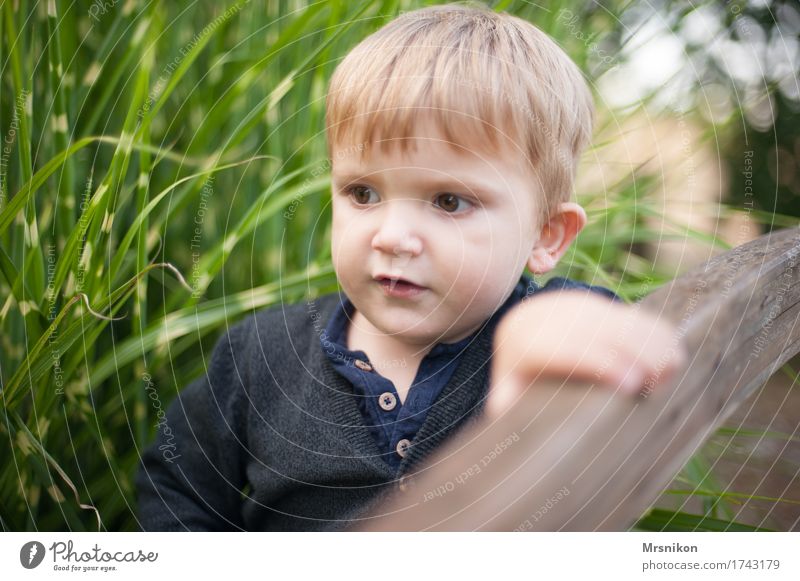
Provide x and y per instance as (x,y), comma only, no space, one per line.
(392,115)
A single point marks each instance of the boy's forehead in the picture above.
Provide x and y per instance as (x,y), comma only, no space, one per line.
(429,146)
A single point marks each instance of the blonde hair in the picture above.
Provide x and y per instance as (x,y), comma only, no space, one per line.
(479,74)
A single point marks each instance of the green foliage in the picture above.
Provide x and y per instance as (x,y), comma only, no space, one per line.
(148,150)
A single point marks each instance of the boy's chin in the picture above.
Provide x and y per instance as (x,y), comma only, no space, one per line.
(411,330)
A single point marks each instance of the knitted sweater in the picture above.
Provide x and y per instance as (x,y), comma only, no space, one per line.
(271,438)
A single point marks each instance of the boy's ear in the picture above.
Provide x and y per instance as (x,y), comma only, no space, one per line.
(556,236)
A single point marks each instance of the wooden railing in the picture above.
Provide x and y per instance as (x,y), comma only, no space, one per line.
(576,456)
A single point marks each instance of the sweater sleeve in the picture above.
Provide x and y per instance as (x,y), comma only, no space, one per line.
(192,475)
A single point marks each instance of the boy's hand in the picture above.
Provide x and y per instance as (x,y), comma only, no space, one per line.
(578,334)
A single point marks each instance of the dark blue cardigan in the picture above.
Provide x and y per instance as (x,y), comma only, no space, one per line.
(271,438)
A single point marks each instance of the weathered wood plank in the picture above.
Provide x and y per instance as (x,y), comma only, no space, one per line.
(574,456)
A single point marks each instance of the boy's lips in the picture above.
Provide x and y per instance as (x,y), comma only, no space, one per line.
(379,277)
(398,287)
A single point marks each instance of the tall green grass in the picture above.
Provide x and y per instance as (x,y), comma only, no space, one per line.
(163,175)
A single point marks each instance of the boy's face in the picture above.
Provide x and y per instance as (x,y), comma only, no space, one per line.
(457,223)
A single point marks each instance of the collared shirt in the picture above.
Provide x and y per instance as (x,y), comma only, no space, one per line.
(393,424)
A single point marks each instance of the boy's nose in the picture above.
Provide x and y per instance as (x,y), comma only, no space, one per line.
(397,231)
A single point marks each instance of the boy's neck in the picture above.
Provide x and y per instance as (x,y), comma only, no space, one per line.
(362,335)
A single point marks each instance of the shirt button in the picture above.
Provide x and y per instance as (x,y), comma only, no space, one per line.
(402,447)
(387,401)
(363,365)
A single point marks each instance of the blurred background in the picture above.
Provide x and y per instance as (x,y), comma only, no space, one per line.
(163,174)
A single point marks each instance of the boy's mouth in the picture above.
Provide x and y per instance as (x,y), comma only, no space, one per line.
(398,287)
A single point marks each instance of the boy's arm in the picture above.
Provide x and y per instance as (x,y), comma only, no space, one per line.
(191,477)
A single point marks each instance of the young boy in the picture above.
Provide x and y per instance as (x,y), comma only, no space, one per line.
(454,134)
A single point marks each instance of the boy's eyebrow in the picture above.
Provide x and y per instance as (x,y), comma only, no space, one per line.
(474,185)
(470,184)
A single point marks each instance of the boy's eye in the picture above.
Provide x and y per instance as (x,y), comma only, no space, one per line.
(450,202)
(360,194)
